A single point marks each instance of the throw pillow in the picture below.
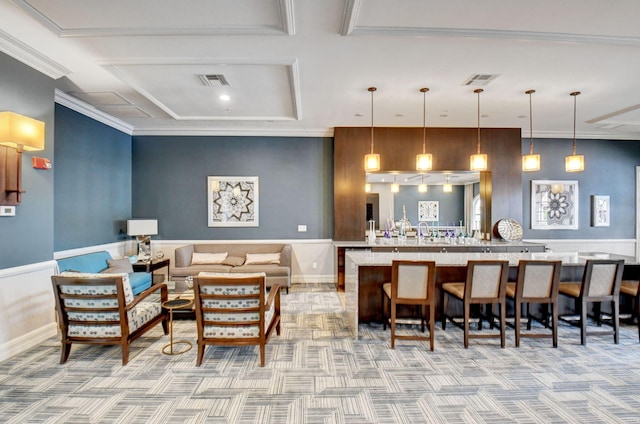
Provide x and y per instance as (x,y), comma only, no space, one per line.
(118,266)
(262,258)
(233,261)
(207,258)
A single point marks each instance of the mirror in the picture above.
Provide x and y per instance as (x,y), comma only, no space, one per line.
(437,208)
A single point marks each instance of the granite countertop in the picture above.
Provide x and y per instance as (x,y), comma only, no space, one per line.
(362,258)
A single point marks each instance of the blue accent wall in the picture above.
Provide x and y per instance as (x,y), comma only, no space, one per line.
(28,237)
(92,181)
(295,184)
(451,205)
(609,170)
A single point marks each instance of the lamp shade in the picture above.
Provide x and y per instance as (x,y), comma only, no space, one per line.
(142,227)
(21,132)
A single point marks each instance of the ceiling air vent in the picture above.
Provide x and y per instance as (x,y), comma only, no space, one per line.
(480,79)
(214,80)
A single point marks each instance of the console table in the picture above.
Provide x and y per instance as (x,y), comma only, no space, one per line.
(365,272)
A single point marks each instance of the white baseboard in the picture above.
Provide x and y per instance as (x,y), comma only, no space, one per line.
(27,341)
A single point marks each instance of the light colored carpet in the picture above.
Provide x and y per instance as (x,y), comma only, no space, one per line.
(315,373)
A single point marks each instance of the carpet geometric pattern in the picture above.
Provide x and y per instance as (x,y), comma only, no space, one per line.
(316,373)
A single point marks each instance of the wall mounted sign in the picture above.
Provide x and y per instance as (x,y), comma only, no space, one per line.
(554,205)
(232,201)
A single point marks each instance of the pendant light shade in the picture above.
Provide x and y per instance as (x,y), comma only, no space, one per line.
(530,162)
(574,163)
(478,162)
(372,160)
(424,160)
(367,188)
(447,187)
(422,187)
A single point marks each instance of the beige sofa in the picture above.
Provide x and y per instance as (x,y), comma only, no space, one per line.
(236,261)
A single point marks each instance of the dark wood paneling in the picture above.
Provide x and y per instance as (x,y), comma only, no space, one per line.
(398,147)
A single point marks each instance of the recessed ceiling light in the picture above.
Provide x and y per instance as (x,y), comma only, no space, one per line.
(225,97)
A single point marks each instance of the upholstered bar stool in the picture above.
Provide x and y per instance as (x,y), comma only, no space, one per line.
(537,284)
(412,283)
(486,284)
(600,283)
(630,288)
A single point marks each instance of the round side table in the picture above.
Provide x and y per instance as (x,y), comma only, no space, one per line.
(170,305)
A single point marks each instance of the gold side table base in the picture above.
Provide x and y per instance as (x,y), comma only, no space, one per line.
(186,347)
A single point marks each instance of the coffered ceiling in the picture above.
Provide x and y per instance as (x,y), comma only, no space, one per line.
(302,67)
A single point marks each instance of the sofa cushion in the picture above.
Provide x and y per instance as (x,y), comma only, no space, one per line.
(270,270)
(195,269)
(90,262)
(117,266)
(140,281)
(233,261)
(208,258)
(262,258)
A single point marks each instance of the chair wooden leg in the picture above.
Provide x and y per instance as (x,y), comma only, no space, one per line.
(393,324)
(432,326)
(616,320)
(529,316)
(554,324)
(503,323)
(422,317)
(262,353)
(466,325)
(638,311)
(597,312)
(518,311)
(125,352)
(66,349)
(201,347)
(445,306)
(165,325)
(384,310)
(583,322)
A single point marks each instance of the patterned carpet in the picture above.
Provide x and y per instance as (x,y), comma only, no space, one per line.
(315,373)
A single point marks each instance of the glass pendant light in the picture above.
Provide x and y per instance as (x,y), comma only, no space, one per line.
(574,163)
(372,160)
(447,187)
(395,187)
(367,188)
(424,161)
(422,187)
(530,162)
(478,162)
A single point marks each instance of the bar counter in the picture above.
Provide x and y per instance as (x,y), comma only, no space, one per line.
(366,271)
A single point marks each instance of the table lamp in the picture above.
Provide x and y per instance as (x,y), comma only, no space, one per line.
(143,229)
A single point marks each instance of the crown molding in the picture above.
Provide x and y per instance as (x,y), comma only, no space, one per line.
(230,132)
(86,109)
(31,57)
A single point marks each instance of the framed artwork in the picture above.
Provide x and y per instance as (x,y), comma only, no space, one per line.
(428,210)
(600,210)
(232,201)
(554,205)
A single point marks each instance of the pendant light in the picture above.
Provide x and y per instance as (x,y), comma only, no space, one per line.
(424,161)
(372,160)
(574,163)
(422,187)
(478,162)
(530,162)
(367,188)
(447,187)
(395,187)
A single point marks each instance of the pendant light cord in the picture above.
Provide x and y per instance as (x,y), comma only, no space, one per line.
(424,119)
(479,90)
(574,94)
(371,90)
(530,92)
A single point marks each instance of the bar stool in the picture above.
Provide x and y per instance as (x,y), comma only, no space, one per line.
(486,284)
(537,283)
(412,283)
(600,283)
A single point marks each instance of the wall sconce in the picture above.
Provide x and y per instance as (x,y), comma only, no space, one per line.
(143,229)
(17,134)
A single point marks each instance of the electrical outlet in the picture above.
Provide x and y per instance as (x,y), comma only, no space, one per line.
(7,211)
(314,265)
(302,228)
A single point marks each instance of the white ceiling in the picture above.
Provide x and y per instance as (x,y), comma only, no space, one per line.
(302,67)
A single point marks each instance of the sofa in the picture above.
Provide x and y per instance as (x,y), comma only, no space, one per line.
(272,259)
(102,262)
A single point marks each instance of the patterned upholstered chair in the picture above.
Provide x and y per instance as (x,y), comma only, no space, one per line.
(101,309)
(600,283)
(486,284)
(412,283)
(234,310)
(537,284)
